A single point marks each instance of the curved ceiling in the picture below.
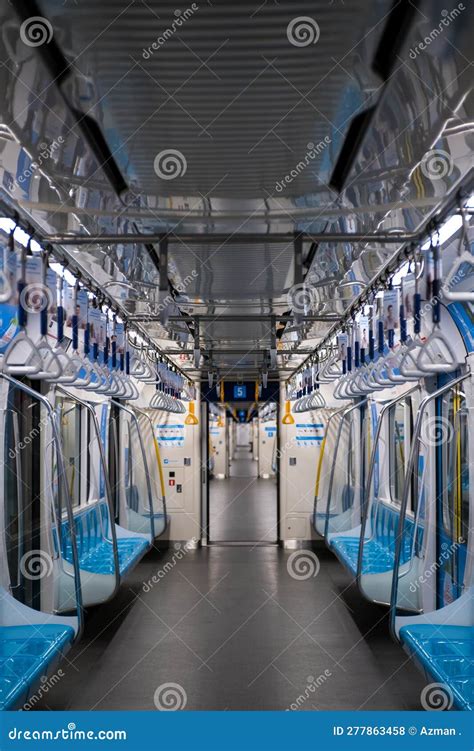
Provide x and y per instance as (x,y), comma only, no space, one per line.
(230,117)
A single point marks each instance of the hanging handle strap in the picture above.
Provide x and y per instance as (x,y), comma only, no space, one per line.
(60,309)
(5,285)
(114,342)
(75,318)
(462,267)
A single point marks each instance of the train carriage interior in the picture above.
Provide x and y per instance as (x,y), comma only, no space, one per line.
(236,355)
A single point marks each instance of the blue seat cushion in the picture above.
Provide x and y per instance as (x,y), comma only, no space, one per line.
(379,550)
(376,558)
(95,551)
(446,653)
(98,558)
(130,550)
(25,654)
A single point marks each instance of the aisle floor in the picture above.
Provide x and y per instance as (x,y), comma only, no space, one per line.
(231,629)
(243,507)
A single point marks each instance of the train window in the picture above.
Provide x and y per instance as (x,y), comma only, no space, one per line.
(396,426)
(11,493)
(456,467)
(71,413)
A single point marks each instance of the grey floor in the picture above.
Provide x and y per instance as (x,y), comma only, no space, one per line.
(230,628)
(243,507)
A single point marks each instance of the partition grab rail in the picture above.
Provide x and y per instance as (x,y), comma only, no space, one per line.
(158,457)
(406,493)
(321,455)
(142,448)
(347,411)
(373,456)
(62,474)
(108,490)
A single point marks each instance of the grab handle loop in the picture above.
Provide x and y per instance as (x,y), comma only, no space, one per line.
(457,273)
(22,356)
(51,368)
(438,363)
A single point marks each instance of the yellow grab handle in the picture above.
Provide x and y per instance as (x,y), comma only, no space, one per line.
(191,418)
(288,418)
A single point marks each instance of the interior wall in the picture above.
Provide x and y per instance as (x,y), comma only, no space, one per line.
(180,451)
(299,450)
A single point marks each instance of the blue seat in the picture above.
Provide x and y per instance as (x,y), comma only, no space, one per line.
(446,654)
(95,551)
(379,551)
(26,652)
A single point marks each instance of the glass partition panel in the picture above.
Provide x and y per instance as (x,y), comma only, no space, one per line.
(40,593)
(93,521)
(431,609)
(155,471)
(383,495)
(323,472)
(345,482)
(436,574)
(454,525)
(133,488)
(70,419)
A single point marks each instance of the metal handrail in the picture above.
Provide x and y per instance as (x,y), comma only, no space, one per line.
(142,447)
(406,494)
(108,489)
(347,411)
(373,456)
(160,467)
(62,474)
(330,418)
